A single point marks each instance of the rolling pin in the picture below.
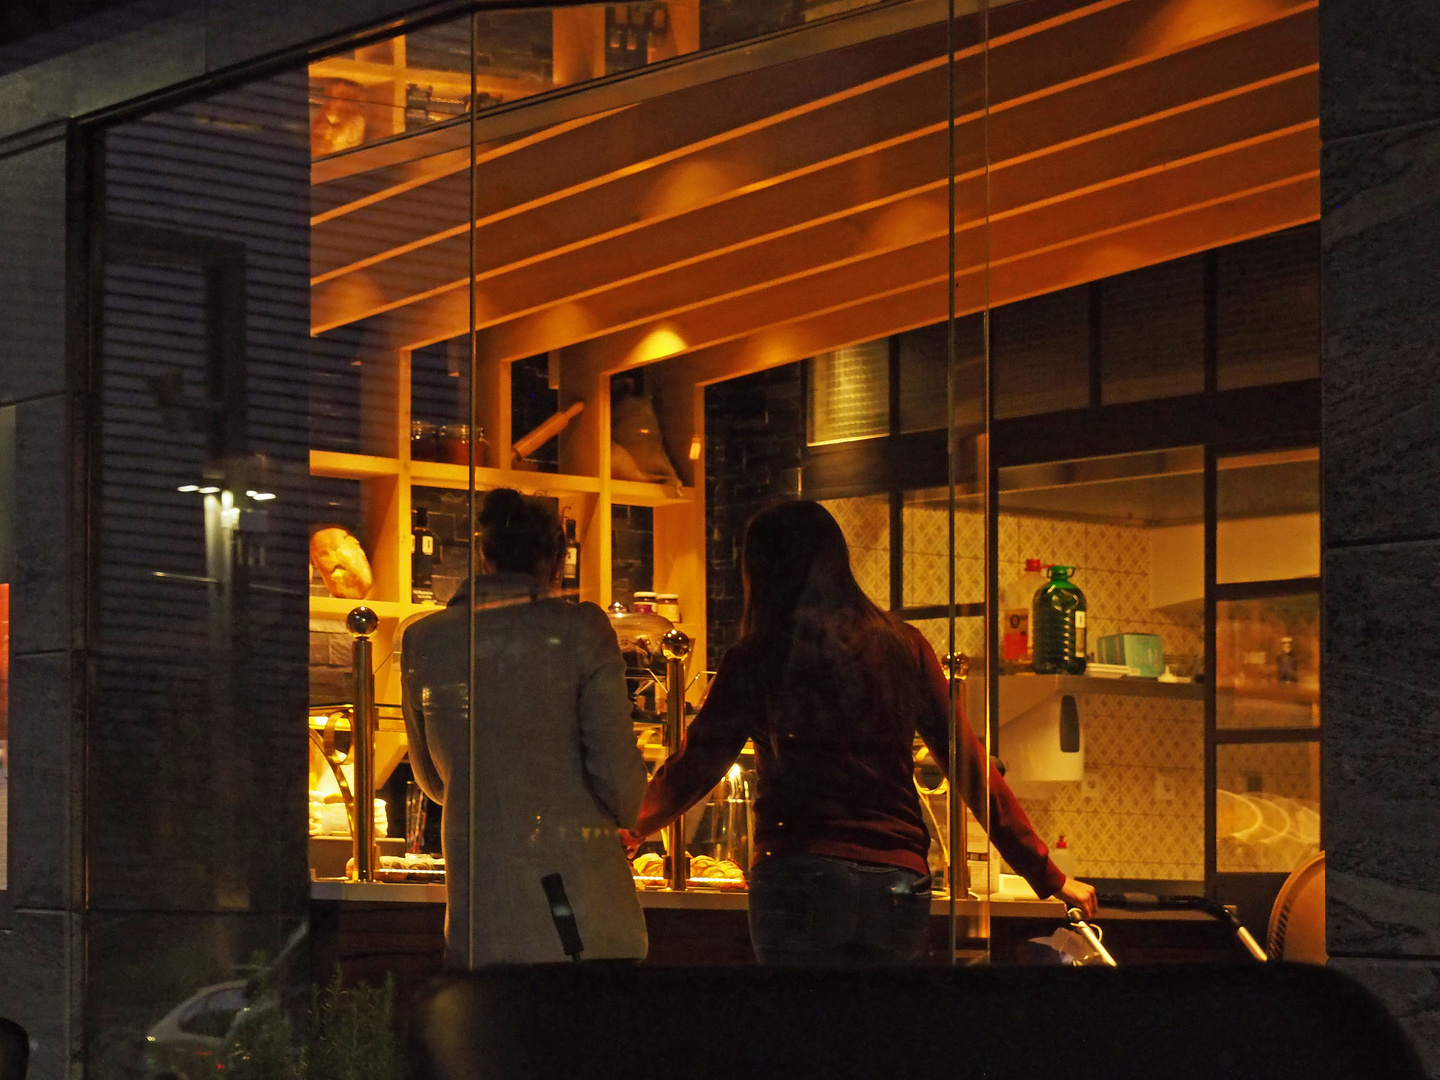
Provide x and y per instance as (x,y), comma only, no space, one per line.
(539,436)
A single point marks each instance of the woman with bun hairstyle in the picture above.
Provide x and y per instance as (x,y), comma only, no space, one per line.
(832,691)
(557,771)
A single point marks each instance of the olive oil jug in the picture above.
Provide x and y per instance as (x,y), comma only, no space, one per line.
(1057,625)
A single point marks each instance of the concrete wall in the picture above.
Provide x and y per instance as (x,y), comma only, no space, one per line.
(1380,121)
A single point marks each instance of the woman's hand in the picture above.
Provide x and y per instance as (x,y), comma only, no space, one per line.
(632,843)
(1077,894)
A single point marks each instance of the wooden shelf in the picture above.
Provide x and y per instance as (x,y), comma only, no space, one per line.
(351,466)
(444,475)
(1091,684)
(639,493)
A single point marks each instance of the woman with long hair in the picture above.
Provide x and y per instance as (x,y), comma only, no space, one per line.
(832,691)
(557,771)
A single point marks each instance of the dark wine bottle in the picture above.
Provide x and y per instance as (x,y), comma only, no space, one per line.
(422,558)
(570,576)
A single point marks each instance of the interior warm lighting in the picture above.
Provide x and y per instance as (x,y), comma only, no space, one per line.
(262,496)
(188,487)
(208,490)
(657,345)
(695,447)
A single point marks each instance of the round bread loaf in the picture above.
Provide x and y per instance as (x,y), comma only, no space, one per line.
(341,562)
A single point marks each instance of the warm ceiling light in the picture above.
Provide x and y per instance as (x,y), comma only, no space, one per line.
(209,490)
(657,345)
(261,496)
(188,487)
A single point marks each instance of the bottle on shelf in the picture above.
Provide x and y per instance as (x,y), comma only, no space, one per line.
(1015,615)
(422,558)
(570,576)
(1057,626)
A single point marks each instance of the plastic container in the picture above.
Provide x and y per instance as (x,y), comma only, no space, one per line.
(1057,626)
(643,603)
(667,606)
(1143,652)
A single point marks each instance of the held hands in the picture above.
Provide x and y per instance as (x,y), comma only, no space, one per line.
(1077,894)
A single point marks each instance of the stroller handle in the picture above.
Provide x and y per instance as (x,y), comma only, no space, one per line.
(1213,908)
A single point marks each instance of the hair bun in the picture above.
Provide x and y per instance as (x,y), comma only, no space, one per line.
(518,534)
(503,511)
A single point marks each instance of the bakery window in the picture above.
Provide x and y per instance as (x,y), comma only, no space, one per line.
(544,249)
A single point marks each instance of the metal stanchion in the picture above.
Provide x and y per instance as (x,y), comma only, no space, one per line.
(676,647)
(362,623)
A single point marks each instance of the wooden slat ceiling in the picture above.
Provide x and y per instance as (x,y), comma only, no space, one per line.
(763,217)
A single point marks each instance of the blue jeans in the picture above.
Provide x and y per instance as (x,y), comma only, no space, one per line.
(816,910)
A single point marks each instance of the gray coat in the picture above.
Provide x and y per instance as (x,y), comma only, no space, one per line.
(558,770)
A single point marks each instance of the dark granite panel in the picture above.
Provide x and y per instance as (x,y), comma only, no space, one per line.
(32,274)
(1382,791)
(1410,990)
(1379,65)
(44,749)
(40,616)
(1381,335)
(141,968)
(41,946)
(108,73)
(237,32)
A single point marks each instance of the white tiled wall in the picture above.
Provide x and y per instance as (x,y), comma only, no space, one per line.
(1124,829)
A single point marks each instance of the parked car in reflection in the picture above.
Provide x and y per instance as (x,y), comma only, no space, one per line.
(192,1040)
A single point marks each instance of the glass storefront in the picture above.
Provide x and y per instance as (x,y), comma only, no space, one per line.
(1026,300)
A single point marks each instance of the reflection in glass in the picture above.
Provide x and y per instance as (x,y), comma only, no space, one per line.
(865,521)
(1268,507)
(926,517)
(1131,526)
(924,355)
(1152,332)
(1267,806)
(1267,656)
(1040,349)
(1267,315)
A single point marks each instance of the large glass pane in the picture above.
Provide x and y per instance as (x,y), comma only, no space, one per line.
(1125,786)
(1267,316)
(924,360)
(926,518)
(865,520)
(1267,811)
(1268,525)
(1152,333)
(1267,658)
(1040,352)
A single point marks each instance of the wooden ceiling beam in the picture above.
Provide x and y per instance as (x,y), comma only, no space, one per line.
(1230,221)
(645,135)
(1280,143)
(525,181)
(561,273)
(1093,215)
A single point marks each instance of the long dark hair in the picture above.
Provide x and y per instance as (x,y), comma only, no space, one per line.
(830,650)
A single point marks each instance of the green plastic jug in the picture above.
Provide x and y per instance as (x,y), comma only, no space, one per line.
(1057,625)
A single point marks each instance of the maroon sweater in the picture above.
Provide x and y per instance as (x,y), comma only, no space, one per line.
(844,789)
